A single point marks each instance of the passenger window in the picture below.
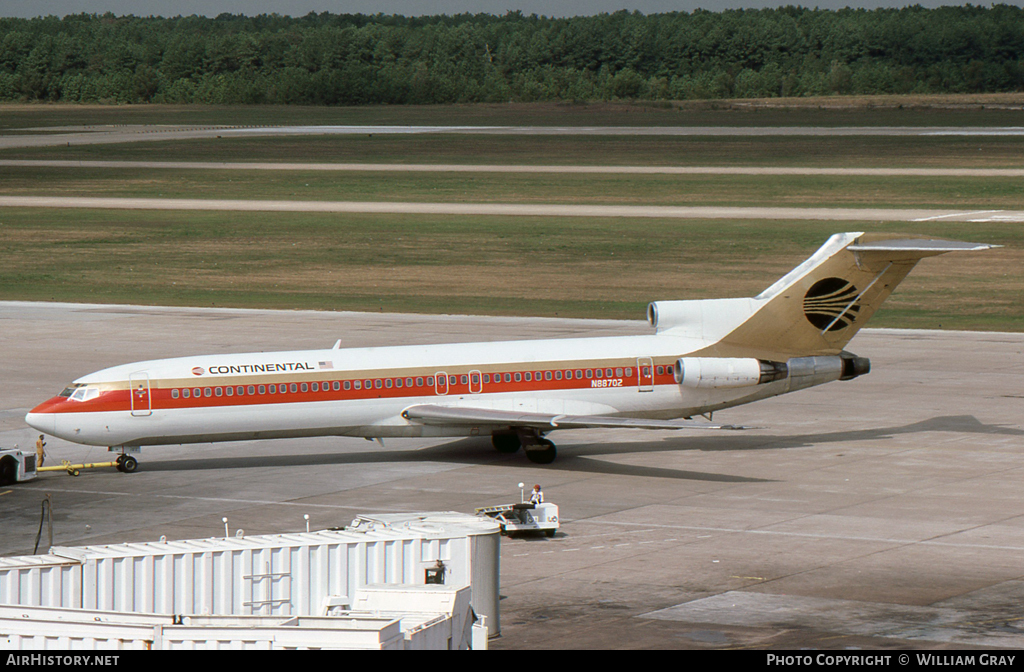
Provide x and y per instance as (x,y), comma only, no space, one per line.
(263,389)
(348,385)
(558,374)
(451,380)
(294,388)
(629,372)
(519,377)
(528,376)
(230,391)
(660,370)
(315,387)
(378,383)
(272,389)
(476,378)
(240,391)
(590,373)
(218,391)
(185,393)
(408,382)
(174,394)
(579,374)
(464,379)
(197,392)
(547,375)
(337,385)
(430,381)
(398,382)
(508,377)
(618,373)
(419,382)
(387,383)
(207,391)
(598,373)
(359,384)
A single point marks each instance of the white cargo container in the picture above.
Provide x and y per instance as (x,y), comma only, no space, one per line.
(298,574)
(39,628)
(437,621)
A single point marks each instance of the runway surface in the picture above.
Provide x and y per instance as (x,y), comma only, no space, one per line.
(519,209)
(878,513)
(88,135)
(463,168)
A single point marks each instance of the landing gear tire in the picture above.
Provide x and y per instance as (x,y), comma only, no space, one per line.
(544,454)
(126,464)
(505,442)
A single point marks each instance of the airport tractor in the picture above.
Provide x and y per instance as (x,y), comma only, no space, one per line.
(17,465)
(523,517)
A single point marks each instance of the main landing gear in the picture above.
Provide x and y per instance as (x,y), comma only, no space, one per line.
(538,449)
(126,463)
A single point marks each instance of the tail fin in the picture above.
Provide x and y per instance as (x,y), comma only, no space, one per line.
(816,308)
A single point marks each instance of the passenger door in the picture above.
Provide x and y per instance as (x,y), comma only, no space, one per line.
(141,402)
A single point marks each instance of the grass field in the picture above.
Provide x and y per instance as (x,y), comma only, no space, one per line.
(860,152)
(448,187)
(479,265)
(495,265)
(949,110)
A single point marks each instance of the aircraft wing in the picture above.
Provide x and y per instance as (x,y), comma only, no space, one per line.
(428,414)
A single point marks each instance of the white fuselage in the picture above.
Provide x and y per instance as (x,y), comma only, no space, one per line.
(362,392)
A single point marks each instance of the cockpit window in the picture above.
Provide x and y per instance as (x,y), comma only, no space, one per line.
(85,393)
(68,391)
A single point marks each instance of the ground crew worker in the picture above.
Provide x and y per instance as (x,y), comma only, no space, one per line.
(537,497)
(40,453)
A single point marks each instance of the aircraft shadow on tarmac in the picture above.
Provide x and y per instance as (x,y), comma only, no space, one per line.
(579,457)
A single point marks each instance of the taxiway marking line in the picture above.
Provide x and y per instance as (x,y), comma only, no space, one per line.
(207,499)
(810,535)
(956,214)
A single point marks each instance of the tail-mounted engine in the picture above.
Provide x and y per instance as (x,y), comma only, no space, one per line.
(702,372)
(730,372)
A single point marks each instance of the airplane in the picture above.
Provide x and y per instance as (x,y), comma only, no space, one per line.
(703,356)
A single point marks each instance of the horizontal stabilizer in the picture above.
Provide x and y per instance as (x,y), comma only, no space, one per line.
(461,416)
(920,245)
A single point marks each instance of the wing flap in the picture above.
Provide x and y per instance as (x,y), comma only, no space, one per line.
(428,414)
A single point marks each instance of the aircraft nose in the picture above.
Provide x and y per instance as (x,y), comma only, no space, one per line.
(44,422)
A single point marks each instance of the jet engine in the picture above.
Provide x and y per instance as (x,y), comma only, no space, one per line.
(723,372)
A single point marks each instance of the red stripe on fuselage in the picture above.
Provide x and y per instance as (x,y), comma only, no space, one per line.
(161,398)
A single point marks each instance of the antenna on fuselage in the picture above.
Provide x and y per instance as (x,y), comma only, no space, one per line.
(337,345)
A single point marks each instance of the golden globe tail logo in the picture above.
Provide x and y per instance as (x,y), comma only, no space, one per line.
(830,304)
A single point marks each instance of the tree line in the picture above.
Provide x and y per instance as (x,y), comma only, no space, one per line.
(332,59)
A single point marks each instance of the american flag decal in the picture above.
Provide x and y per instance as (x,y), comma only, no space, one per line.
(326,365)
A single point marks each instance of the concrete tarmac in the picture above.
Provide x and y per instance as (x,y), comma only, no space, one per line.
(516,169)
(883,512)
(520,209)
(54,136)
